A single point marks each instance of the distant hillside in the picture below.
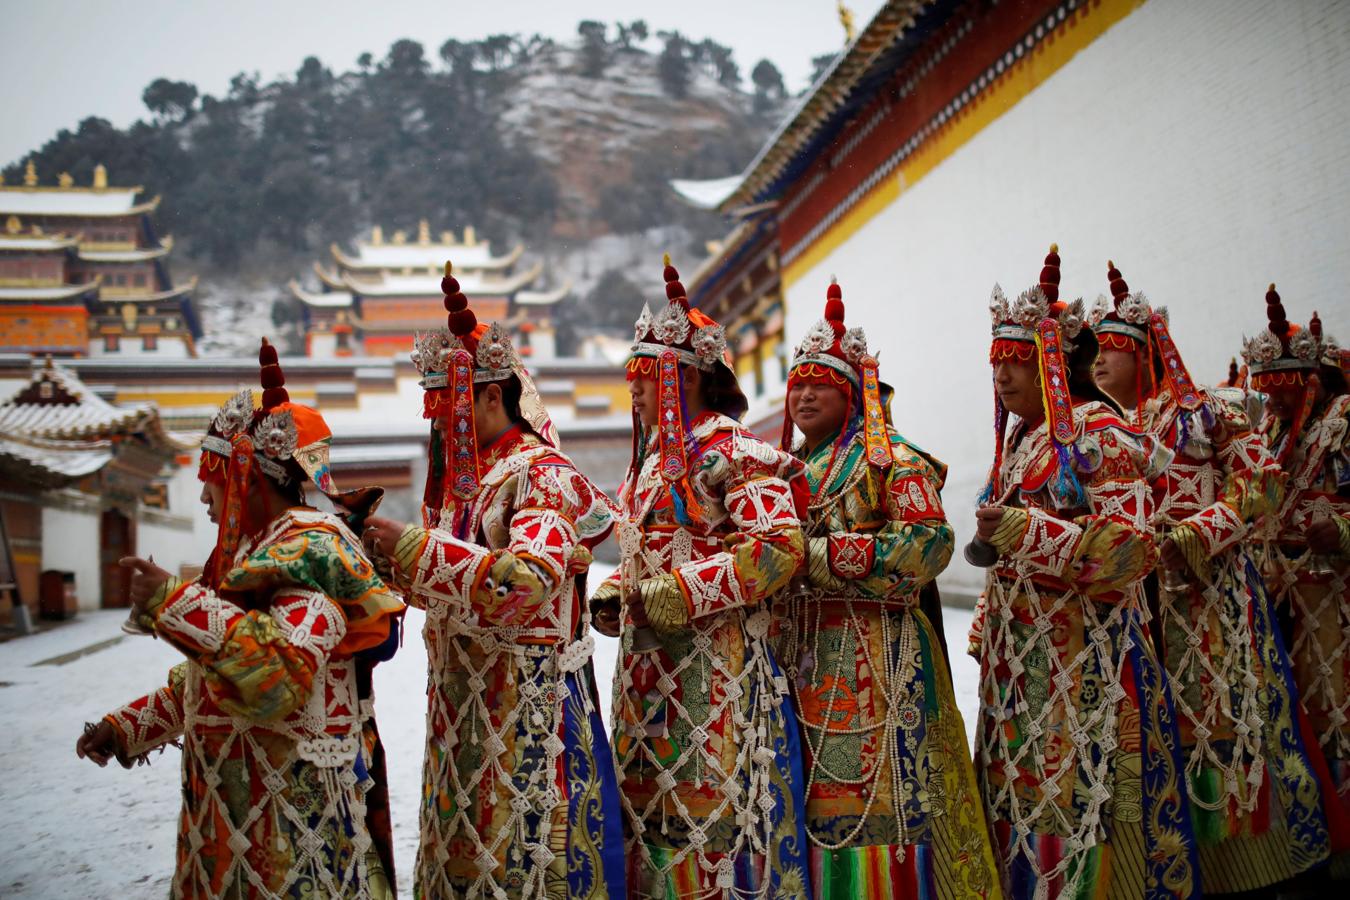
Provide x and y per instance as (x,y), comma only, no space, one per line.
(567,147)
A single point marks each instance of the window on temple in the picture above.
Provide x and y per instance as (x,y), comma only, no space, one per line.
(150,342)
(110,343)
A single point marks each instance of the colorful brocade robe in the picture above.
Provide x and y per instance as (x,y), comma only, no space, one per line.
(1313,590)
(518,788)
(1254,795)
(892,804)
(704,731)
(273,708)
(1077,744)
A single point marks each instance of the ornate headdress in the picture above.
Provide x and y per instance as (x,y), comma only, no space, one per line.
(283,441)
(1284,355)
(1128,324)
(680,335)
(451,361)
(837,356)
(1038,326)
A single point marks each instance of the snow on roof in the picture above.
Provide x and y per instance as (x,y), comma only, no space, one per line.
(67,410)
(470,283)
(29,242)
(65,458)
(333,298)
(707,194)
(55,201)
(55,292)
(544,298)
(428,256)
(138,255)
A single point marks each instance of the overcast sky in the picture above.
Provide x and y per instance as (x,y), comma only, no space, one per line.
(68,59)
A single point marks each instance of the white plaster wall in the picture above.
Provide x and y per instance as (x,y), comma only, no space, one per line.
(70,543)
(1204,145)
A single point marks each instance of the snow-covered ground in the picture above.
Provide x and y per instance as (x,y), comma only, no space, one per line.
(71,830)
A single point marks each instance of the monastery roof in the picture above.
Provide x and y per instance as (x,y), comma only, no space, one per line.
(36,242)
(466,257)
(39,459)
(833,92)
(340,299)
(471,283)
(182,290)
(57,405)
(544,298)
(54,292)
(72,201)
(140,254)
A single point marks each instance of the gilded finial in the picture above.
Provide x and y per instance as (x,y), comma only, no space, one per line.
(846,19)
(65,179)
(470,236)
(100,177)
(400,237)
(665,259)
(1272,286)
(833,280)
(377,235)
(30,175)
(13,225)
(1054,248)
(449,268)
(423,232)
(447,237)
(1110,264)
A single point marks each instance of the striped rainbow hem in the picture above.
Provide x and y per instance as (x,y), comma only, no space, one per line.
(686,879)
(863,873)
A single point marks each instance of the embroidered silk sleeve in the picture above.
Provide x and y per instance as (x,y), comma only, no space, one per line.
(915,544)
(1253,486)
(1101,552)
(258,664)
(510,585)
(765,548)
(153,720)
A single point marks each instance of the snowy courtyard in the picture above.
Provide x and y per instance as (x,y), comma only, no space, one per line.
(71,830)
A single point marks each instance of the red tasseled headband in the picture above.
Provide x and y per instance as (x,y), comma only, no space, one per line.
(213,468)
(815,373)
(1008,349)
(641,367)
(1264,381)
(1110,340)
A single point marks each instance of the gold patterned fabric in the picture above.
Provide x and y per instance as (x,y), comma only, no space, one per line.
(892,804)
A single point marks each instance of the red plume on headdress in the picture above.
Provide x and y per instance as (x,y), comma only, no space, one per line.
(1315,326)
(1279,324)
(674,290)
(1050,274)
(461,319)
(834,308)
(272,378)
(1234,375)
(1119,289)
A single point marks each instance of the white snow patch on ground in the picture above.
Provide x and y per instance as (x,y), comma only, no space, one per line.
(71,830)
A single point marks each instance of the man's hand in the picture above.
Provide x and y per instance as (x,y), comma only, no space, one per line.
(381,535)
(987,519)
(99,744)
(606,618)
(146,580)
(1323,537)
(1173,559)
(638,611)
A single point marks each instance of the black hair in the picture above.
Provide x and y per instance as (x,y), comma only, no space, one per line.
(720,392)
(511,391)
(1333,380)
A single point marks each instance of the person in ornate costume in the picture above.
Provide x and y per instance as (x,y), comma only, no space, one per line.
(1307,539)
(518,793)
(704,731)
(1077,744)
(1255,802)
(892,804)
(281,761)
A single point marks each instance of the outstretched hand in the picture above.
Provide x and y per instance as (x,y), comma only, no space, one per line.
(987,519)
(146,579)
(99,745)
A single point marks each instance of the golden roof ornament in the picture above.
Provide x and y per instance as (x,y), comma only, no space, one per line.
(13,225)
(400,237)
(377,235)
(65,179)
(448,238)
(100,177)
(846,19)
(470,236)
(30,175)
(423,233)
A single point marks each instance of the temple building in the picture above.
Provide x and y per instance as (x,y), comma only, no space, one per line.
(83,272)
(84,482)
(952,141)
(370,303)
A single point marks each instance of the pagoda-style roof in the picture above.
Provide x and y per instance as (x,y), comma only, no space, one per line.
(54,292)
(471,283)
(430,256)
(37,242)
(46,200)
(158,296)
(544,298)
(340,299)
(139,254)
(331,280)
